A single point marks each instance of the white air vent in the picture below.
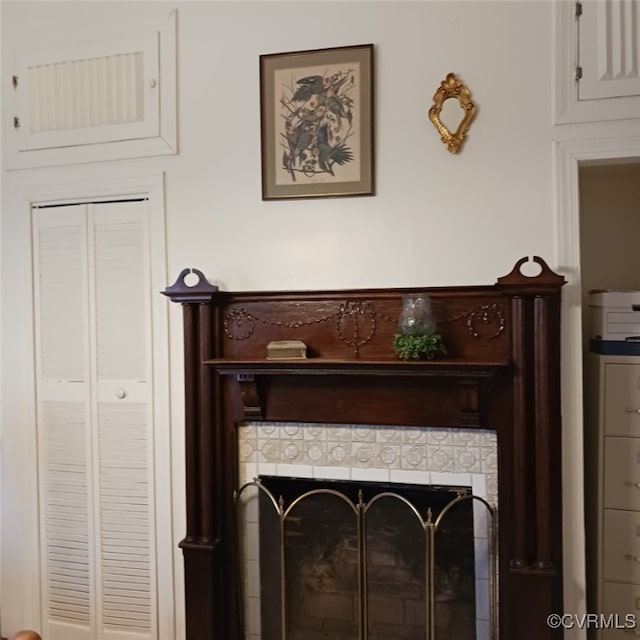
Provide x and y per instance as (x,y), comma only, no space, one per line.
(86,93)
(90,93)
(99,100)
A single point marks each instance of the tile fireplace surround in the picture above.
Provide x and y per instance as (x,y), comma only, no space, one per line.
(376,453)
(499,382)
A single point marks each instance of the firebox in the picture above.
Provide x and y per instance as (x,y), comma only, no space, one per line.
(326,559)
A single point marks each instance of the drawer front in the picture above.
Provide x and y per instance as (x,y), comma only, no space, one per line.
(621,546)
(622,400)
(622,473)
(621,600)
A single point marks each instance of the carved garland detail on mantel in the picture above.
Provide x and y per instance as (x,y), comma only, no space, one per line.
(485,322)
(487,315)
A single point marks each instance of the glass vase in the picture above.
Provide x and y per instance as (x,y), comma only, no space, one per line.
(416,318)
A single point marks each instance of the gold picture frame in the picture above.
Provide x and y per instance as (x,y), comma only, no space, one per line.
(452,88)
(316,117)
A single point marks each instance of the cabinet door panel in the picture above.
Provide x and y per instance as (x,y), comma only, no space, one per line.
(621,546)
(622,473)
(622,400)
(609,49)
(621,600)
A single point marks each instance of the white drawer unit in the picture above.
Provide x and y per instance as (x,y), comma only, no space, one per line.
(622,399)
(621,546)
(622,473)
(612,490)
(623,601)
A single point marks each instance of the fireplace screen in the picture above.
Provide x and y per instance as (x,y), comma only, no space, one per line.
(335,560)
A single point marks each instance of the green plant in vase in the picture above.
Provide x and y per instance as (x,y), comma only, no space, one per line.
(417,339)
(428,346)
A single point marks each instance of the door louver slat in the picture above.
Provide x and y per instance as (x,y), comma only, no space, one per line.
(120,308)
(61,314)
(66,518)
(121,430)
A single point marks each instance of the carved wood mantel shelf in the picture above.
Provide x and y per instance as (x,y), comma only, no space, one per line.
(458,403)
(502,374)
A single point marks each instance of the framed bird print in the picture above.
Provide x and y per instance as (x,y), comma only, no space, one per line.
(317,123)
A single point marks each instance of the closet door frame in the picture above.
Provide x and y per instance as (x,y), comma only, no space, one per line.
(21,562)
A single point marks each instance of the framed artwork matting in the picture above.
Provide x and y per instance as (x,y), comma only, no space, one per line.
(316,111)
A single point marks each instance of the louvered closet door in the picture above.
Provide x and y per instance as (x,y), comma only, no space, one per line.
(95,417)
(64,419)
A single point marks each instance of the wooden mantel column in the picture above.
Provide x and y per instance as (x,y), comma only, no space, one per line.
(200,542)
(536,550)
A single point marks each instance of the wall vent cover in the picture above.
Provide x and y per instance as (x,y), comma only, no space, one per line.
(113,98)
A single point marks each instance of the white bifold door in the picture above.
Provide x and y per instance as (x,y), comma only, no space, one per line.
(99,454)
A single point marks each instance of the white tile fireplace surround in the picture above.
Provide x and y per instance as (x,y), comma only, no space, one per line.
(374,453)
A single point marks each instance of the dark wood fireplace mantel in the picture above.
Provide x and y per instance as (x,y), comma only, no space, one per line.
(502,373)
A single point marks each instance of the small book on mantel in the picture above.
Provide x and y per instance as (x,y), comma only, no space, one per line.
(286,349)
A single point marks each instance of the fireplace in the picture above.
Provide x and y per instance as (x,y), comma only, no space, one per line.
(393,457)
(351,560)
(501,375)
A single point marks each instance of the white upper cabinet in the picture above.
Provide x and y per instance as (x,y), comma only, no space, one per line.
(110,99)
(609,49)
(598,72)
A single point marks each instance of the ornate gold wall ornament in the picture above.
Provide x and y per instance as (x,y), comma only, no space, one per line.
(452,87)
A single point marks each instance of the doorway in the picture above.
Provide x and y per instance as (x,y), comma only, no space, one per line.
(609,260)
(571,156)
(609,230)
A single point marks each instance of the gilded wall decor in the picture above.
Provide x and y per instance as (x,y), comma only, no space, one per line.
(452,88)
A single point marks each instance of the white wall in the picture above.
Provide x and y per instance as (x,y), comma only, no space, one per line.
(437,219)
(435,214)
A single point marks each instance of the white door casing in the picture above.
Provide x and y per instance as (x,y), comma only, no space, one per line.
(569,155)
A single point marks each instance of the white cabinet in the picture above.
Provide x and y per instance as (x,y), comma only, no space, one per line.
(598,60)
(609,49)
(612,479)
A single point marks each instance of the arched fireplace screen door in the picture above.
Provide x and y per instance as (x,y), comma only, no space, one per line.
(365,561)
